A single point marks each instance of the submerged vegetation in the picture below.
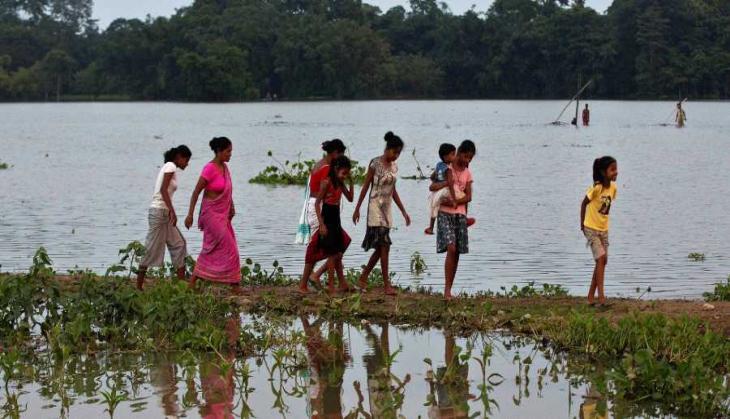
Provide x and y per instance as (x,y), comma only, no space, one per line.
(4,166)
(297,173)
(655,363)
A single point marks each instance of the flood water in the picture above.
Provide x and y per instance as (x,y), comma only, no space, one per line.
(82,178)
(326,370)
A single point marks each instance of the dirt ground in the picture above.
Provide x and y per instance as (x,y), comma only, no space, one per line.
(376,304)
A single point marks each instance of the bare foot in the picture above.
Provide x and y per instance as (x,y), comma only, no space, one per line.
(428,231)
(362,286)
(303,290)
(315,282)
(389,291)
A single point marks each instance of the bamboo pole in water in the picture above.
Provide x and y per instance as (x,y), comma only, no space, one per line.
(571,101)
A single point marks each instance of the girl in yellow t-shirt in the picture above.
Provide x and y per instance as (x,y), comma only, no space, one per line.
(594,220)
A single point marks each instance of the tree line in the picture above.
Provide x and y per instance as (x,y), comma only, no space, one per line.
(229,50)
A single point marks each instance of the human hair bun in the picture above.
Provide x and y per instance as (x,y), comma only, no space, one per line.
(333,145)
(218,144)
(389,136)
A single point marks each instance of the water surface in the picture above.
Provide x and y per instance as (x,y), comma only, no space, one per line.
(83,174)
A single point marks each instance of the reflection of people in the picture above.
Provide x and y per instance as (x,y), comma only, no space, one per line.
(594,222)
(590,408)
(379,388)
(163,231)
(680,118)
(452,385)
(164,378)
(327,360)
(380,180)
(219,260)
(586,116)
(218,388)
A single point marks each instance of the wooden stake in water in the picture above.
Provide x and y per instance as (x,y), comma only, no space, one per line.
(577,95)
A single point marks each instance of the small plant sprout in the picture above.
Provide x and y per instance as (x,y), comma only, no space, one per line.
(418,265)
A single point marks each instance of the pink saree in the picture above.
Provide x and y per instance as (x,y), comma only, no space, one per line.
(218,260)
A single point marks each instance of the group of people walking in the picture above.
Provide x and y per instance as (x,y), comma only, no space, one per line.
(320,224)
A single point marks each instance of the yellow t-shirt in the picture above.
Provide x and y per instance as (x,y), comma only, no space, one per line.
(599,206)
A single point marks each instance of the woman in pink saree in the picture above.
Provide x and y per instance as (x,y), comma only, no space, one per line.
(218,260)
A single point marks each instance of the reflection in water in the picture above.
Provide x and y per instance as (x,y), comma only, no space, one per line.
(163,376)
(317,368)
(593,406)
(327,358)
(451,386)
(385,391)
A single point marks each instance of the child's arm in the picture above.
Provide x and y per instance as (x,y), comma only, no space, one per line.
(318,206)
(363,191)
(467,196)
(350,191)
(450,181)
(398,202)
(583,206)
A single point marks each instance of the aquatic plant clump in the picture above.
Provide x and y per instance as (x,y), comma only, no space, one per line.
(661,359)
(696,257)
(297,173)
(4,166)
(720,293)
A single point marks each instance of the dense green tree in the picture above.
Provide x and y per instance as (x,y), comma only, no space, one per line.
(223,50)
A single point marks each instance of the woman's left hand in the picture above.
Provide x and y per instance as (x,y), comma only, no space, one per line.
(408,219)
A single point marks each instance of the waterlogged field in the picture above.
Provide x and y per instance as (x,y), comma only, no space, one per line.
(91,346)
(80,180)
(77,179)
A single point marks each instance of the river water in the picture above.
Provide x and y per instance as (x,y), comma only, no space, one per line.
(82,176)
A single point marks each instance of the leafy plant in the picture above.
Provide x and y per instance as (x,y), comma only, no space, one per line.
(112,399)
(252,274)
(132,254)
(4,166)
(418,265)
(529,290)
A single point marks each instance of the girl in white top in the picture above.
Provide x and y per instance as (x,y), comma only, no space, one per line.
(163,232)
